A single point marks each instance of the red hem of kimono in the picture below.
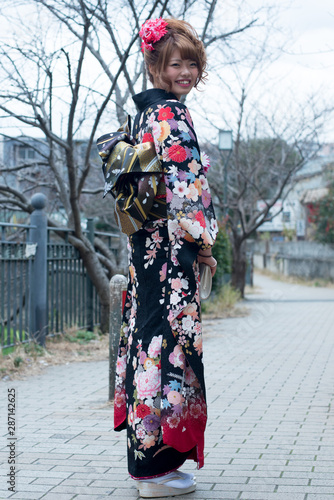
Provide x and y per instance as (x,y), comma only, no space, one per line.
(196,453)
(119,421)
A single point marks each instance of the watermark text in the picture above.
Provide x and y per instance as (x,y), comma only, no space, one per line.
(11,439)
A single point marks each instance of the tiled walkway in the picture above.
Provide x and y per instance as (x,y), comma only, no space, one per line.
(270,435)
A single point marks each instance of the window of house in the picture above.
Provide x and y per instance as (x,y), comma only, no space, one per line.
(26,153)
(286,217)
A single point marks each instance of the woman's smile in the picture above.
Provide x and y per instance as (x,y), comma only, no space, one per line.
(184,83)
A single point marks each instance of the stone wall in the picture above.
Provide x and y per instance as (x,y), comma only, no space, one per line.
(305,259)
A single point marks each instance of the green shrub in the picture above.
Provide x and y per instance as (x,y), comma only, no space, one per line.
(265,236)
(289,234)
(81,336)
(33,349)
(222,252)
(17,361)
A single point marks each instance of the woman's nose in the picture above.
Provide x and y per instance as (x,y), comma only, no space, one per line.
(185,70)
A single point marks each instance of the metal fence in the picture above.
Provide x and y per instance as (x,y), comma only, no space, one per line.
(71,298)
(15,269)
(67,287)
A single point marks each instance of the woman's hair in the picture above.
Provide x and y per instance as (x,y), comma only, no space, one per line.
(180,35)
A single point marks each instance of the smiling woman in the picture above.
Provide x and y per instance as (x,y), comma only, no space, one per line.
(160,389)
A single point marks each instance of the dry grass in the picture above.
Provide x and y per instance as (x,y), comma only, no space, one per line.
(224,305)
(31,359)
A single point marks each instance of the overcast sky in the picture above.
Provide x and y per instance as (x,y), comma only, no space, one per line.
(310,63)
(305,68)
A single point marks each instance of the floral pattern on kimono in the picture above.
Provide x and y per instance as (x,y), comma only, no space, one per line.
(162,382)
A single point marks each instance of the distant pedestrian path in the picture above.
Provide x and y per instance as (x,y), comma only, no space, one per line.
(270,434)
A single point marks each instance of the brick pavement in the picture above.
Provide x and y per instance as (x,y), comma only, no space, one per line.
(270,433)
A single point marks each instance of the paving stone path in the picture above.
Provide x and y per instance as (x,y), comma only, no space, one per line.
(270,434)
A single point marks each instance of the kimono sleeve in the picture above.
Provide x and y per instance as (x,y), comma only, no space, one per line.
(189,205)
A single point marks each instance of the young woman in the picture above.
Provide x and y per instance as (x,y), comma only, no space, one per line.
(160,391)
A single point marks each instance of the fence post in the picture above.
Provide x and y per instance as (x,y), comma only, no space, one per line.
(38,276)
(90,289)
(118,285)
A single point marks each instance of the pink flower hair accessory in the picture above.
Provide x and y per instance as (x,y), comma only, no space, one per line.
(151,32)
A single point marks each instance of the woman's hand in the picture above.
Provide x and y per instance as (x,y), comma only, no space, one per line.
(207,259)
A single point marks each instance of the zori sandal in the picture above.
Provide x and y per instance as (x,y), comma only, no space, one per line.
(171,485)
(186,475)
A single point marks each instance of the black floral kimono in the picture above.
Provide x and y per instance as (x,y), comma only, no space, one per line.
(160,390)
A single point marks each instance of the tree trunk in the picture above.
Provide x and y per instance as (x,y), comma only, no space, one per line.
(104,322)
(99,279)
(238,277)
(98,276)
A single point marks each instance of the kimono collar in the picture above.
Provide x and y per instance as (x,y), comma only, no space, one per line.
(151,96)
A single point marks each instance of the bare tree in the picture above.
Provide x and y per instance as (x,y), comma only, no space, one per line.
(273,138)
(68,68)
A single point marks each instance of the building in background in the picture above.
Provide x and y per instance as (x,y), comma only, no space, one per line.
(25,167)
(309,186)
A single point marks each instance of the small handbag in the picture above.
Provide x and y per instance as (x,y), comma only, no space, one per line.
(137,196)
(205,281)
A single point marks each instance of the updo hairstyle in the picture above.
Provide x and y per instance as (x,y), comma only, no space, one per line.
(180,35)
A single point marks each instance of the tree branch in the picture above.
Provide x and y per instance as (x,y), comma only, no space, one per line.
(229,34)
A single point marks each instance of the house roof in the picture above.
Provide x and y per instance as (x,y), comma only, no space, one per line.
(313,195)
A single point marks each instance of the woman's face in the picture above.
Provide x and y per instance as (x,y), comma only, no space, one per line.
(181,73)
